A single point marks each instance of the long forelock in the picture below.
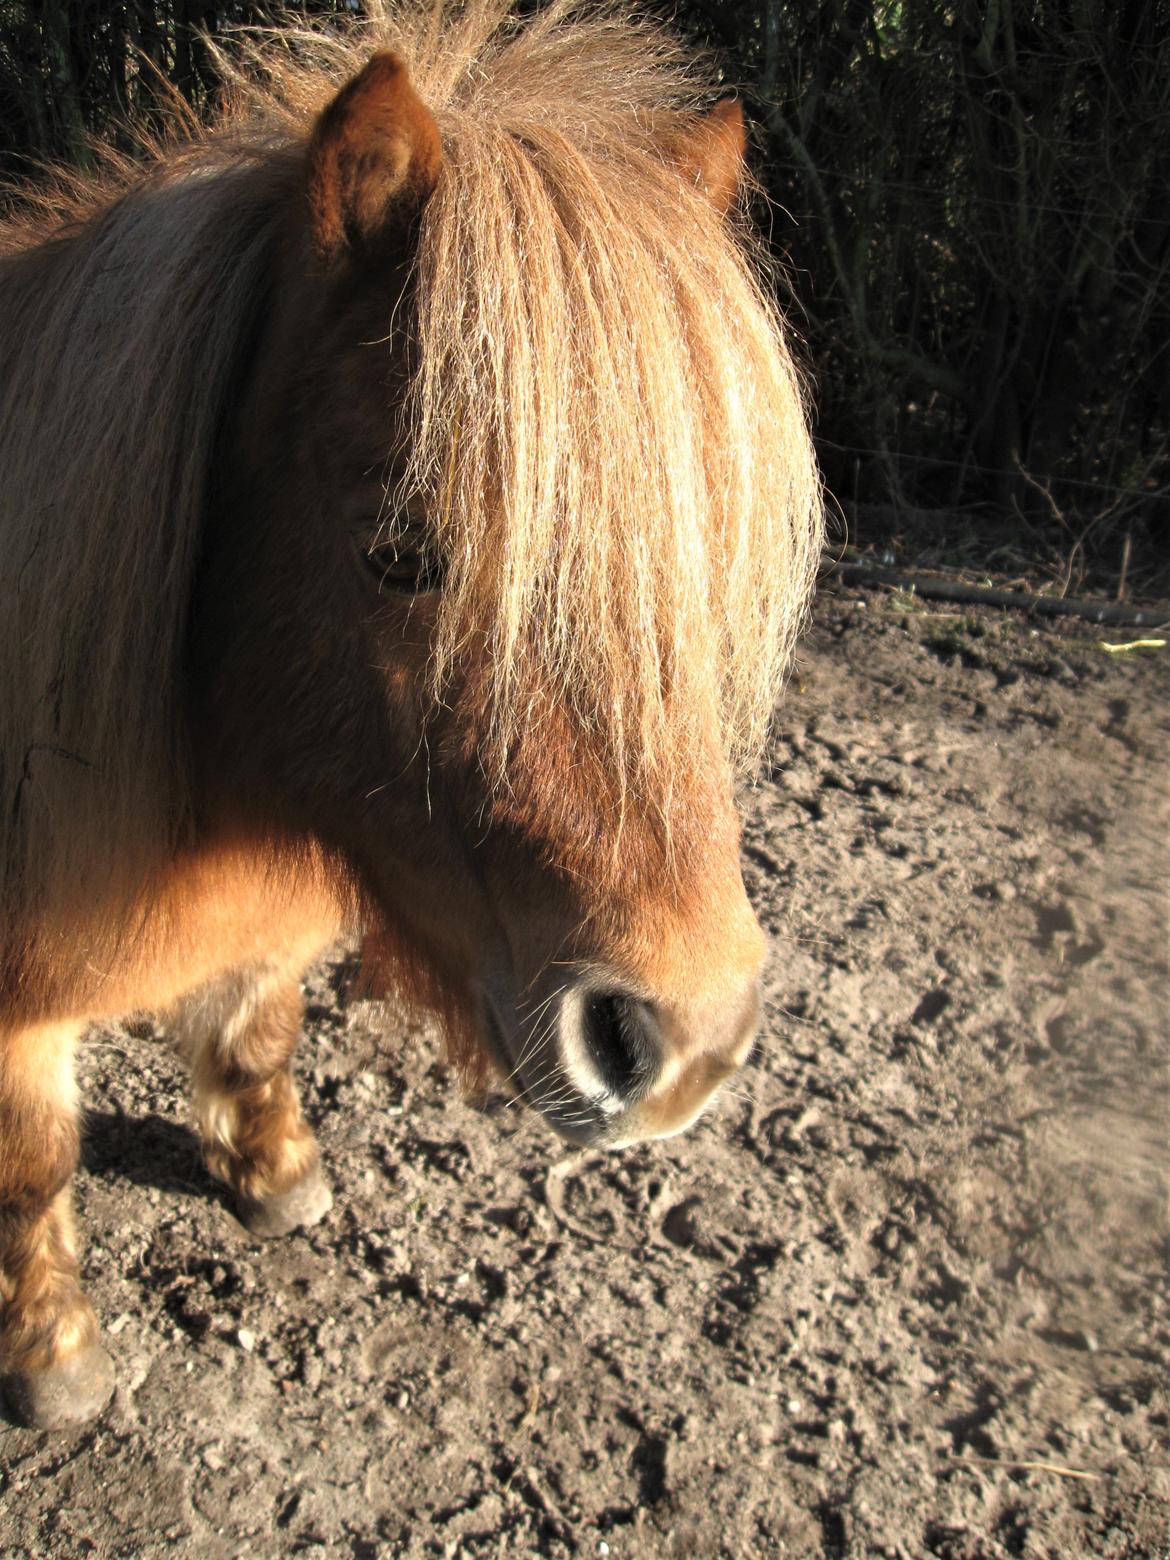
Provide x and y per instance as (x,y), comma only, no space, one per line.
(611,443)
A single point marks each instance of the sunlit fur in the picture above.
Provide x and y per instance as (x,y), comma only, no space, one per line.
(695,509)
(120,336)
(216,735)
(695,519)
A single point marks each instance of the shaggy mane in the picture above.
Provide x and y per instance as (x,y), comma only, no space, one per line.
(606,430)
(126,307)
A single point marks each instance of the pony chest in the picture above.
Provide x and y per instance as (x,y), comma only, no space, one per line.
(212,910)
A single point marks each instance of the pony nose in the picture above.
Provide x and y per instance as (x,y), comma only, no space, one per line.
(623,1041)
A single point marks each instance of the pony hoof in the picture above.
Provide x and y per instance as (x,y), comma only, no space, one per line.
(65,1394)
(304,1204)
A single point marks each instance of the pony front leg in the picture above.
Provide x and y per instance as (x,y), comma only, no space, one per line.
(238,1034)
(54,1370)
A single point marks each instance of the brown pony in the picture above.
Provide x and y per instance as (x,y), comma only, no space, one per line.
(406,510)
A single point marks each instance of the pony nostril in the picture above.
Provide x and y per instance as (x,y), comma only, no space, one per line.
(621,1035)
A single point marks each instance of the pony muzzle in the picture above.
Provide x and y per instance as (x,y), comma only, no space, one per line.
(607,1066)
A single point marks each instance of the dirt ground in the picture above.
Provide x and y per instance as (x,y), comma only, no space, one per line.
(903,1292)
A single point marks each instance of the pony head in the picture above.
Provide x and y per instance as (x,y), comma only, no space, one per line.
(523,520)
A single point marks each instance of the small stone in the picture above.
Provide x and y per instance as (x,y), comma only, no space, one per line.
(246,1339)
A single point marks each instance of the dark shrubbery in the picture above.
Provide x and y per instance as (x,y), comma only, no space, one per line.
(977,223)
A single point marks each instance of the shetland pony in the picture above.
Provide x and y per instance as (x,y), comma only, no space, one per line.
(406,510)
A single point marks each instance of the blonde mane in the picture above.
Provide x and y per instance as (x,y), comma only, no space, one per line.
(607,431)
(605,427)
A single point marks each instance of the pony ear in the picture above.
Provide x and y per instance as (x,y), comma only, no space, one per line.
(710,154)
(373,160)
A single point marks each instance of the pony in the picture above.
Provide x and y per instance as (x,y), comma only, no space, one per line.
(407,509)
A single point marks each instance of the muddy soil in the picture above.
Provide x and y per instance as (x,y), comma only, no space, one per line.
(903,1292)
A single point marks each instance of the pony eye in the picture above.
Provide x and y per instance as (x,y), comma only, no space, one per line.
(401,567)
